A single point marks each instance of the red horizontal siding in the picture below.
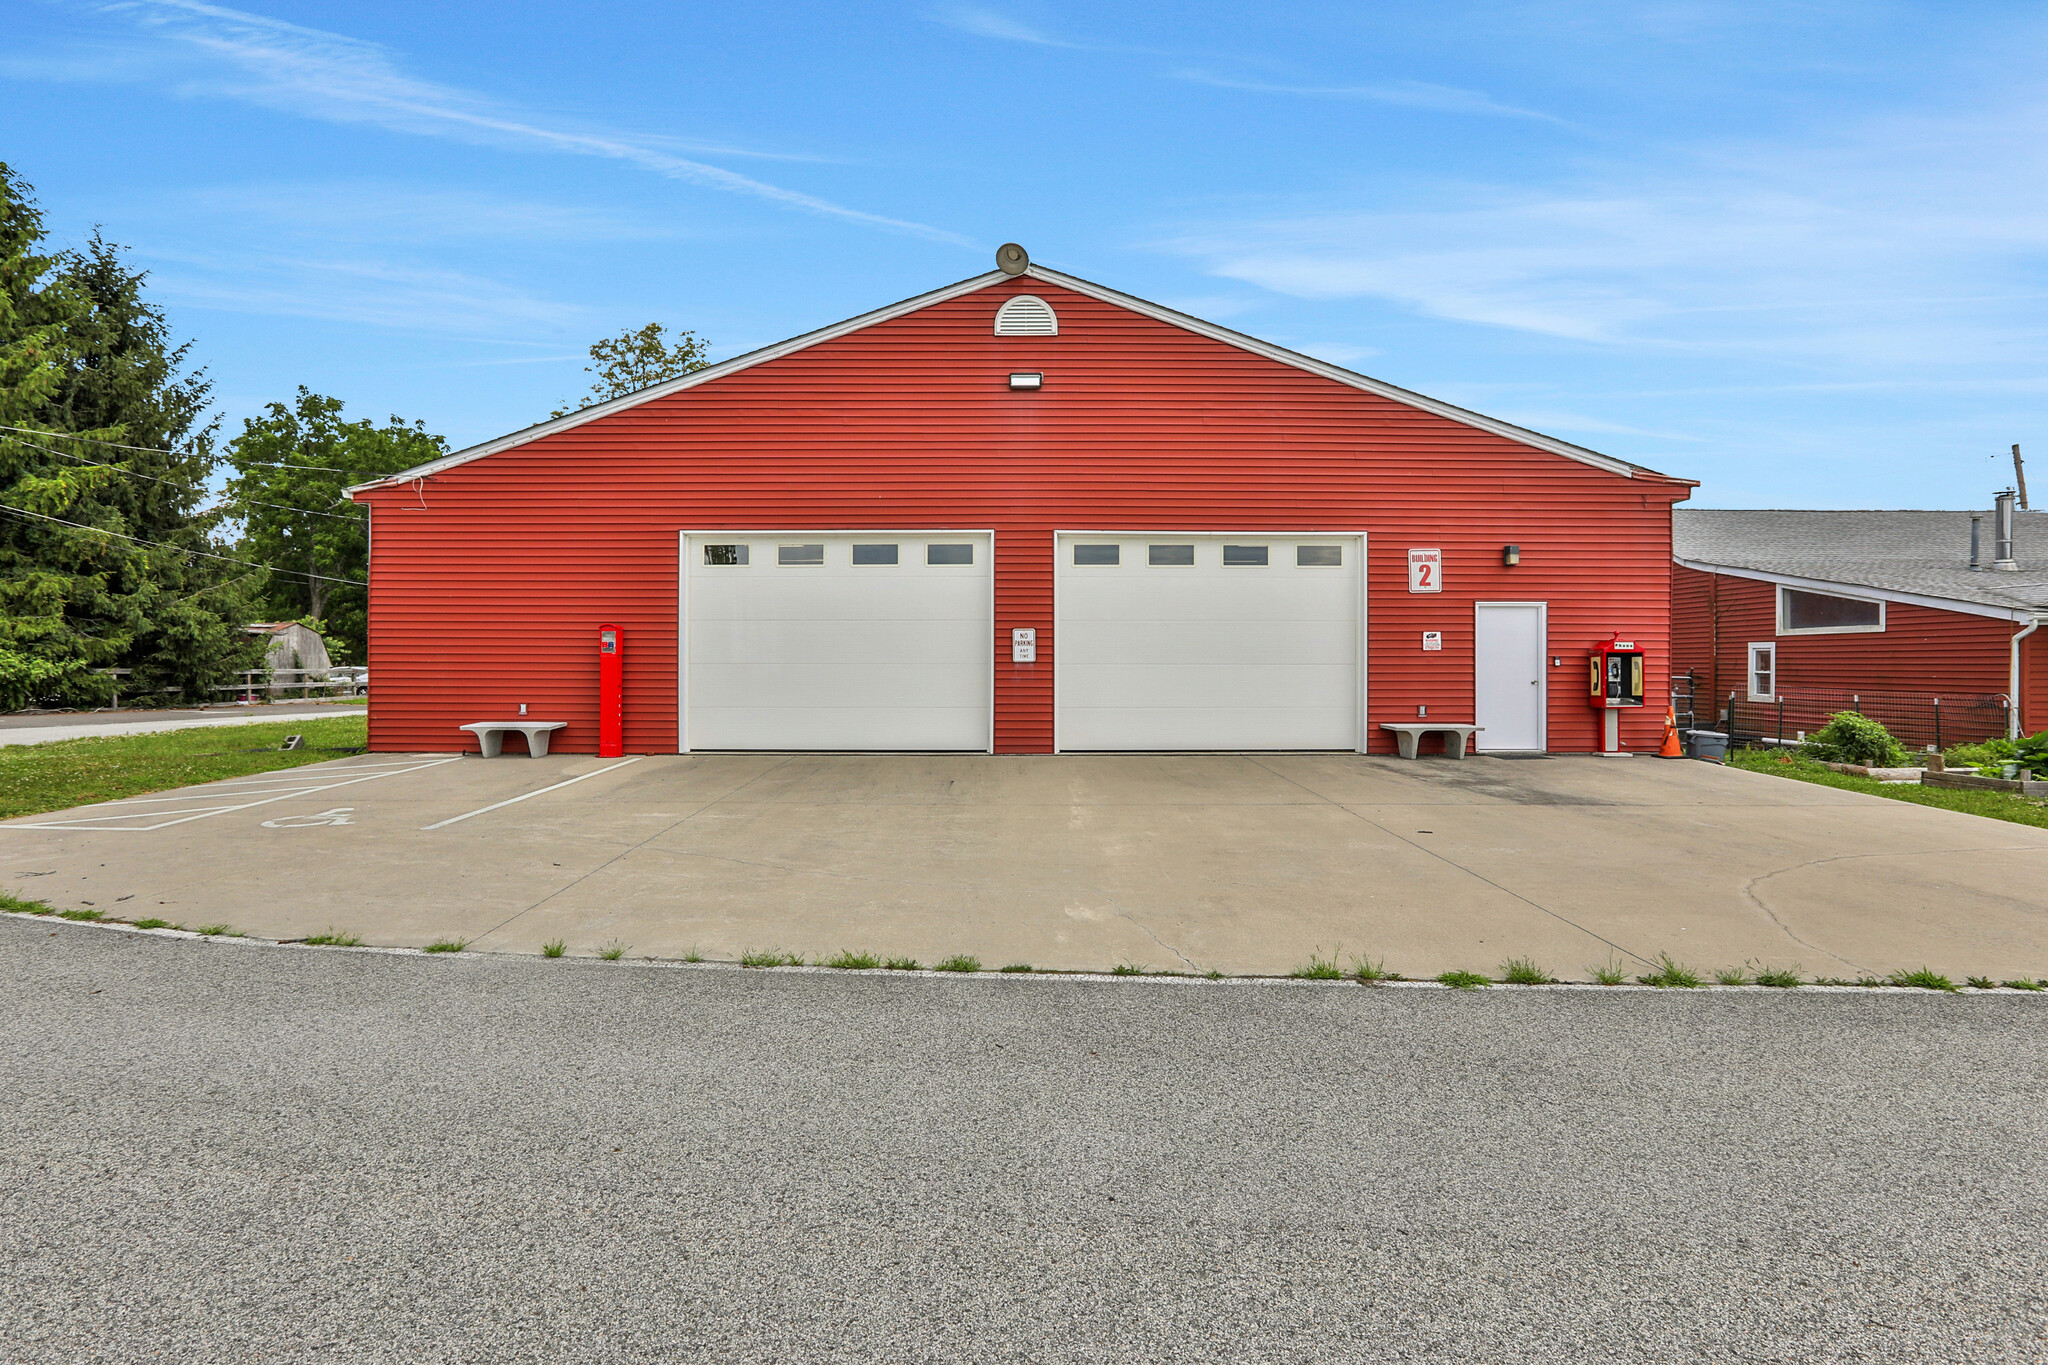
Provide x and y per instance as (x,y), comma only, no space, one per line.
(1921,649)
(488,583)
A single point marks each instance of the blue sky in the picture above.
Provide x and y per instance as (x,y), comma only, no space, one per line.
(1793,250)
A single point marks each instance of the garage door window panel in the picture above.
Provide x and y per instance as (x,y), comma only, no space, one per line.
(949,554)
(1104,555)
(875,554)
(1244,556)
(725,556)
(1170,556)
(800,555)
(1319,556)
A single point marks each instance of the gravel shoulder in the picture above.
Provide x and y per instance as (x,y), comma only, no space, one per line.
(225,1152)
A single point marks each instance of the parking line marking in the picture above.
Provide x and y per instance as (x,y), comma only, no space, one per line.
(185,816)
(458,819)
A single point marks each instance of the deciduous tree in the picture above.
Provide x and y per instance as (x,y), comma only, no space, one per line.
(633,360)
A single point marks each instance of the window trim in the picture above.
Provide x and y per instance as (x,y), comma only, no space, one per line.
(1757,647)
(1785,614)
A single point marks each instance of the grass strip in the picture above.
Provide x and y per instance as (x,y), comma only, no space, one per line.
(35,778)
(2018,810)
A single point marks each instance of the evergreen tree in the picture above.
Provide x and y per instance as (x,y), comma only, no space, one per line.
(291,465)
(84,354)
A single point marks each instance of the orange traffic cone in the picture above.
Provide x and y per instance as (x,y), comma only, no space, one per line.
(1671,747)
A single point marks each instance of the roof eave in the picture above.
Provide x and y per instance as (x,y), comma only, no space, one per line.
(1145,307)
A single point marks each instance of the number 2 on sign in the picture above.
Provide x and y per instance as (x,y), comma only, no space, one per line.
(1425,571)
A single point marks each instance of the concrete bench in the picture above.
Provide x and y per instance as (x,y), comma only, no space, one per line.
(1455,736)
(491,735)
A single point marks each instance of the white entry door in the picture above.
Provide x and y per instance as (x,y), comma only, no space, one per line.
(1509,693)
(873,640)
(1177,641)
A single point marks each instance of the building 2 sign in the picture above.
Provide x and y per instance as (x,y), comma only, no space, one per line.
(1425,571)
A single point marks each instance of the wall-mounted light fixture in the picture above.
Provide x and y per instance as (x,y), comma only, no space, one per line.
(1511,555)
(1027,381)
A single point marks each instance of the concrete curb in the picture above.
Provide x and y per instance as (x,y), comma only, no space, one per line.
(1160,979)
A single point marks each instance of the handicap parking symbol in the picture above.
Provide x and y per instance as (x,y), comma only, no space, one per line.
(338,816)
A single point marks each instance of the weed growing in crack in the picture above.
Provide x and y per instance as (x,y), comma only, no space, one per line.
(1523,971)
(1018,967)
(1731,976)
(747,959)
(1462,980)
(1369,971)
(903,964)
(1212,975)
(80,914)
(693,956)
(1925,979)
(2024,984)
(959,962)
(1319,968)
(1981,983)
(1128,969)
(447,945)
(850,961)
(554,947)
(217,931)
(1612,974)
(1781,977)
(1671,975)
(16,905)
(334,938)
(152,923)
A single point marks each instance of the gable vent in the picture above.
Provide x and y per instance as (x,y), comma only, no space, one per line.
(1027,315)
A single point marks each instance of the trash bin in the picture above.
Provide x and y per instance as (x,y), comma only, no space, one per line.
(1711,745)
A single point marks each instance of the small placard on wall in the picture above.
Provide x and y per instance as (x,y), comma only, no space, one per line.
(1024,646)
(1425,571)
(1432,639)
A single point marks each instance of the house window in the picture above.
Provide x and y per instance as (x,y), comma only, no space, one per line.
(1763,672)
(1824,613)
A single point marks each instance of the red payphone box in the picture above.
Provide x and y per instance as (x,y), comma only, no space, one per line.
(611,693)
(1617,674)
(1615,679)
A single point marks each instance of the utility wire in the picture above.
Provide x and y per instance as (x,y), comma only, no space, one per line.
(136,473)
(159,450)
(203,554)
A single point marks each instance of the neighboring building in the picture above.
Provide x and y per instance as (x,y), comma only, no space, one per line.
(1766,603)
(837,541)
(291,647)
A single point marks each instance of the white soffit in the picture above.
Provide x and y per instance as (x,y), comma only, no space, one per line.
(1158,312)
(1864,590)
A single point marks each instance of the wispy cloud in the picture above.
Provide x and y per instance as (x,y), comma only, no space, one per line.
(415,299)
(1409,94)
(1901,241)
(317,74)
(373,211)
(988,24)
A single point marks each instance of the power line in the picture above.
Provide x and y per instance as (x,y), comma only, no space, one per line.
(182,549)
(159,450)
(136,473)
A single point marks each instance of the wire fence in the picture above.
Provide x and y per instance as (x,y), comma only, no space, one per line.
(1916,719)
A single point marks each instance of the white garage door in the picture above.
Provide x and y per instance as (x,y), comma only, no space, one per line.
(1208,641)
(868,640)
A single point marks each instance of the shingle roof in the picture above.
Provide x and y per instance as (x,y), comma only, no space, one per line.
(1923,553)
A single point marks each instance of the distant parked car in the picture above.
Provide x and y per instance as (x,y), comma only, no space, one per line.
(357,678)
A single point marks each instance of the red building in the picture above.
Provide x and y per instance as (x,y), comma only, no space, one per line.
(1022,513)
(1871,609)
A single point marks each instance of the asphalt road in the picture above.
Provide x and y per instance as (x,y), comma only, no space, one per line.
(220,1152)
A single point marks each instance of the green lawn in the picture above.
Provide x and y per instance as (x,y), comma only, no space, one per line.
(2020,810)
(75,772)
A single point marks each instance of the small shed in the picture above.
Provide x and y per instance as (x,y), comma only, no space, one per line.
(291,648)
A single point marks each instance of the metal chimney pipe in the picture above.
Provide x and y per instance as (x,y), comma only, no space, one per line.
(2001,533)
(1976,541)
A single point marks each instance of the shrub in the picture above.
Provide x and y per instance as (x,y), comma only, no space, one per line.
(1850,737)
(1981,755)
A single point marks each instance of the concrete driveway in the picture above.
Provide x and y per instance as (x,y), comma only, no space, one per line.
(1239,863)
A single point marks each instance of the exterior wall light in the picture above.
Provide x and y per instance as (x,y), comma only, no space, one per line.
(1511,555)
(1027,381)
